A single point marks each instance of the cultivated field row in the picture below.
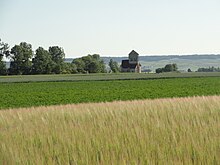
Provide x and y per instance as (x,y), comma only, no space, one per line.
(161,131)
(101,77)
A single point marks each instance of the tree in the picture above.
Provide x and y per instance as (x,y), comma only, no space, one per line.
(159,70)
(70,68)
(4,48)
(42,62)
(91,64)
(57,56)
(102,66)
(209,69)
(3,70)
(80,65)
(189,70)
(87,60)
(113,66)
(20,57)
(175,68)
(3,52)
(170,68)
(94,67)
(167,68)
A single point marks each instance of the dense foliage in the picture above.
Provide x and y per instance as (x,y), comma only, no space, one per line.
(167,68)
(57,55)
(42,62)
(3,52)
(3,70)
(20,57)
(210,69)
(114,67)
(51,93)
(24,61)
(89,64)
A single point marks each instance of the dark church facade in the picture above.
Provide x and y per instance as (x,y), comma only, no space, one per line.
(132,64)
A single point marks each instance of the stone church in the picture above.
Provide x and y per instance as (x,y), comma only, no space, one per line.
(132,64)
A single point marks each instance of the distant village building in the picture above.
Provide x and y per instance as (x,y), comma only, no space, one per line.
(132,64)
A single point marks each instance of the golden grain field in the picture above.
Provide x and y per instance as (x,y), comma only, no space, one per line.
(161,131)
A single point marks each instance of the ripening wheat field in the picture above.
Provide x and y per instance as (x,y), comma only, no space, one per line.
(161,131)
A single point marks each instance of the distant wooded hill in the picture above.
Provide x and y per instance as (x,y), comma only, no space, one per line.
(183,62)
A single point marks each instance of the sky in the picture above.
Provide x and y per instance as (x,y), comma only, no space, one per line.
(114,27)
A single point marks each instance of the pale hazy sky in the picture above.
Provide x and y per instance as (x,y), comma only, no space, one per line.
(114,27)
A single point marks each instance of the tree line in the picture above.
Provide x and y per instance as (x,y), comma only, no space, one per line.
(209,69)
(24,61)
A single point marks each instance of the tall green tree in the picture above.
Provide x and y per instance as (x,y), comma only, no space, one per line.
(57,56)
(3,52)
(113,66)
(42,62)
(20,57)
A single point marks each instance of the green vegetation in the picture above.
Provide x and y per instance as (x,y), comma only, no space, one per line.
(167,68)
(163,131)
(209,69)
(89,64)
(49,62)
(43,62)
(24,61)
(114,66)
(20,57)
(3,52)
(51,93)
(2,66)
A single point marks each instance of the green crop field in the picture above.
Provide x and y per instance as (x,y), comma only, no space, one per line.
(101,77)
(13,95)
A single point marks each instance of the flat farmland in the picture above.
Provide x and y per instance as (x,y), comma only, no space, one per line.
(102,77)
(15,95)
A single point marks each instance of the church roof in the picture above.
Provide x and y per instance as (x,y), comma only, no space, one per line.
(133,52)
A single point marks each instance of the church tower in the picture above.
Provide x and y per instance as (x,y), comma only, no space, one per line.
(133,57)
